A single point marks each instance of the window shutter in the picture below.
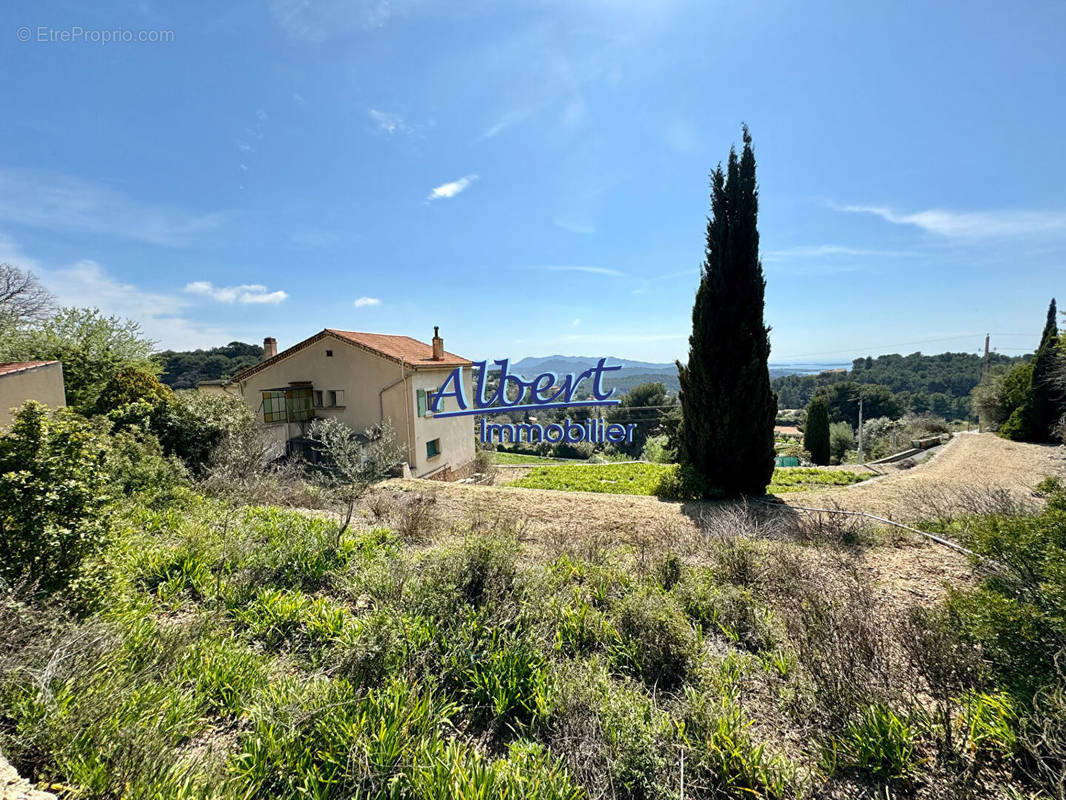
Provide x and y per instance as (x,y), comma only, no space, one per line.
(340,397)
(421,402)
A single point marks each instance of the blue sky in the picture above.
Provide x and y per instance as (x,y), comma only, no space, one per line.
(532,176)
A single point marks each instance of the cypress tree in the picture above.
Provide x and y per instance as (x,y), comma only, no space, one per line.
(727,435)
(816,431)
(1047,401)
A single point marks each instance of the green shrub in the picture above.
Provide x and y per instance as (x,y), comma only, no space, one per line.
(131,385)
(1016,614)
(841,439)
(682,482)
(612,735)
(479,570)
(136,463)
(52,496)
(726,609)
(656,450)
(656,643)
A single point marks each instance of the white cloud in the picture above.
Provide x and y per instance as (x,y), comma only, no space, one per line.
(87,284)
(451,189)
(576,322)
(252,293)
(389,123)
(60,202)
(971,224)
(367,302)
(591,270)
(827,250)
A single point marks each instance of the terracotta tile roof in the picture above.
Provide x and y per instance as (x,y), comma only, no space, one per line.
(395,348)
(401,348)
(23,366)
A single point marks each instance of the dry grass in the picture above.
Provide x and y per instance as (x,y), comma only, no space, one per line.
(970,472)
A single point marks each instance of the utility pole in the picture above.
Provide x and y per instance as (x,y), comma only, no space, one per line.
(984,374)
(861,459)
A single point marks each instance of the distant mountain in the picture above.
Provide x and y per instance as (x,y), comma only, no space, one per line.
(649,370)
(634,373)
(531,367)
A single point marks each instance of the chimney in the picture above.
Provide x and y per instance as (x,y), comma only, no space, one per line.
(270,347)
(438,344)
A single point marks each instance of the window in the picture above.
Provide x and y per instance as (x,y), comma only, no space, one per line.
(329,354)
(318,398)
(288,405)
(425,397)
(299,402)
(433,448)
(274,407)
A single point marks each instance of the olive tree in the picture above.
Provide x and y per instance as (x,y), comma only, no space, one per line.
(352,461)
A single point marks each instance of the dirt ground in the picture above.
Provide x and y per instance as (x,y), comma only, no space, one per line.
(970,470)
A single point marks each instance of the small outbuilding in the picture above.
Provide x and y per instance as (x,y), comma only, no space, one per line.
(29,380)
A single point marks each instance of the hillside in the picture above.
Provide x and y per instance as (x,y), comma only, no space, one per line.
(940,383)
(185,369)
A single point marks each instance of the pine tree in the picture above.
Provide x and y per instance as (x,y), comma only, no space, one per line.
(727,435)
(1047,400)
(816,431)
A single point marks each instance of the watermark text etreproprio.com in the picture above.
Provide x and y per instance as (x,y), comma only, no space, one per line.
(77,34)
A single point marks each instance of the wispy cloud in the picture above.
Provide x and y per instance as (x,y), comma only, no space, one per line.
(452,188)
(59,202)
(322,19)
(507,120)
(387,122)
(827,251)
(251,293)
(592,270)
(646,283)
(367,302)
(970,224)
(608,340)
(574,226)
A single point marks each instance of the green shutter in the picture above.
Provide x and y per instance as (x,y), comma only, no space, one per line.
(421,402)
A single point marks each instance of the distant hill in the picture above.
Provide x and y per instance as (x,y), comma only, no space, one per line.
(940,383)
(531,367)
(183,369)
(634,373)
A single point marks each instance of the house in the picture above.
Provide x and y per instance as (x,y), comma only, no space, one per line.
(29,380)
(361,379)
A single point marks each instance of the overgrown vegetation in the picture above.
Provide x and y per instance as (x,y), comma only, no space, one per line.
(204,653)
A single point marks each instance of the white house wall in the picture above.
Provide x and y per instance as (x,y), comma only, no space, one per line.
(361,375)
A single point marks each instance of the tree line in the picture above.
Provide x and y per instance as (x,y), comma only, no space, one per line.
(921,384)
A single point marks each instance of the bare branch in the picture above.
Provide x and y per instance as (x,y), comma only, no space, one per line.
(22,298)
